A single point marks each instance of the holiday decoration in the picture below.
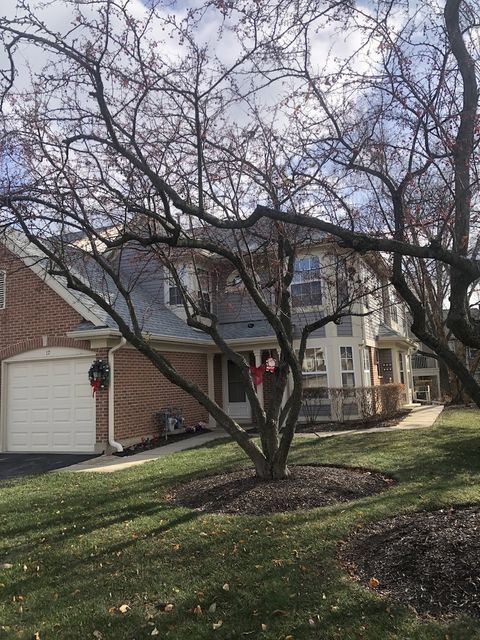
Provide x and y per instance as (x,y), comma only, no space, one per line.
(99,375)
(270,365)
(257,374)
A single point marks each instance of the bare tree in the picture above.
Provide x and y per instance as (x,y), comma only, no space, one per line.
(126,116)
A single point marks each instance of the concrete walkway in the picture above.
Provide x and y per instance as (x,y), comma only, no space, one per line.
(107,464)
(419,418)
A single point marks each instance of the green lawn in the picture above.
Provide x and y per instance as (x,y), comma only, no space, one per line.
(83,545)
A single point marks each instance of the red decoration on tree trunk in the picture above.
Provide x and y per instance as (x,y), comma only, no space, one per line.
(257,374)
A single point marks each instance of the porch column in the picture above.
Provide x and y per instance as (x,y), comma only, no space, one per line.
(257,354)
(211,388)
(409,375)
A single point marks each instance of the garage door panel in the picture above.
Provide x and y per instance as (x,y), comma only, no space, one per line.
(50,406)
(41,393)
(61,391)
(40,416)
(20,393)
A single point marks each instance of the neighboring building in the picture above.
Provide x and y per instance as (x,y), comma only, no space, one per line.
(426,377)
(50,335)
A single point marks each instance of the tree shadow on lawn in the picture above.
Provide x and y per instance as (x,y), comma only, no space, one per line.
(431,454)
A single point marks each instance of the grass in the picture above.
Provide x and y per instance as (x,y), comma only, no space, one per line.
(83,545)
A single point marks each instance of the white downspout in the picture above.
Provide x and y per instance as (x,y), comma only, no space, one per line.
(111,398)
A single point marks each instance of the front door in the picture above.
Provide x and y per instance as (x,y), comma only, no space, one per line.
(236,402)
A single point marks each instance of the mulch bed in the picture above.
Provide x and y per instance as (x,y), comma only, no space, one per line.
(158,441)
(364,423)
(307,487)
(429,561)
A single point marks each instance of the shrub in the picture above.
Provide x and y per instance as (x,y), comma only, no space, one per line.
(343,403)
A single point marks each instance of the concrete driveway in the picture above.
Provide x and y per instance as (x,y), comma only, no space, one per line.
(23,464)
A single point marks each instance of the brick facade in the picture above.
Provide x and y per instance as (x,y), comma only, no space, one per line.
(35,317)
(141,390)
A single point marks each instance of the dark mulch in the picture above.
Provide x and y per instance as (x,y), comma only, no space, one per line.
(429,560)
(364,423)
(306,488)
(158,441)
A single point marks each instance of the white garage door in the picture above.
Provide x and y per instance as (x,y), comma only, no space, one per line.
(50,406)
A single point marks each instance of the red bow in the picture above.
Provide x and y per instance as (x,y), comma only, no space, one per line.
(96,383)
(257,374)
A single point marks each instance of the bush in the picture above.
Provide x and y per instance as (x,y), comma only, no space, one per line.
(343,403)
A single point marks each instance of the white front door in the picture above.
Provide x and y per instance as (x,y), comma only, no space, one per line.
(235,397)
(50,406)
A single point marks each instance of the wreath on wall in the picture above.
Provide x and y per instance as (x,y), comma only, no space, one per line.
(99,375)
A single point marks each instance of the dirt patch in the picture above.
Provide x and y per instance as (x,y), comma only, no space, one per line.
(429,560)
(306,488)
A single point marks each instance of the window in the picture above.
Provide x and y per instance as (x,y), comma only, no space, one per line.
(401,368)
(3,278)
(367,376)
(174,292)
(306,286)
(174,295)
(201,279)
(346,365)
(314,368)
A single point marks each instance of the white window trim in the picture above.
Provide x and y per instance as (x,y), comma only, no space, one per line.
(315,305)
(320,372)
(367,372)
(3,289)
(342,370)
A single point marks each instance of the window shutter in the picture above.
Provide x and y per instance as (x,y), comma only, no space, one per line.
(3,277)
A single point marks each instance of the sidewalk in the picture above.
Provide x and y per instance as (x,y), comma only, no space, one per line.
(419,418)
(107,464)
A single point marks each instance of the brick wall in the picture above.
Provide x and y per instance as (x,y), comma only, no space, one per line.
(141,390)
(32,309)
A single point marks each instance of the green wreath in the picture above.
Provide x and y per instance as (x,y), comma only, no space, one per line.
(99,375)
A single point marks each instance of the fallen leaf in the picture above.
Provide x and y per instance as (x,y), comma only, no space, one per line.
(6,565)
(279,612)
(264,627)
(169,607)
(226,587)
(36,636)
(123,608)
(289,638)
(217,625)
(213,607)
(98,635)
(373,582)
(198,610)
(155,632)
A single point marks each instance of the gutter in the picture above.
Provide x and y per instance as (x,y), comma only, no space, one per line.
(111,397)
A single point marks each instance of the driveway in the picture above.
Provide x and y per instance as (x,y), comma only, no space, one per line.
(22,464)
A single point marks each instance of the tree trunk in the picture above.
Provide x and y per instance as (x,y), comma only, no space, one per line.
(273,470)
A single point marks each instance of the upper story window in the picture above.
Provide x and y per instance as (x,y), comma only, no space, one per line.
(3,280)
(196,282)
(306,288)
(202,282)
(174,292)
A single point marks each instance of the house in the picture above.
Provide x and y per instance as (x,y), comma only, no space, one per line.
(50,336)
